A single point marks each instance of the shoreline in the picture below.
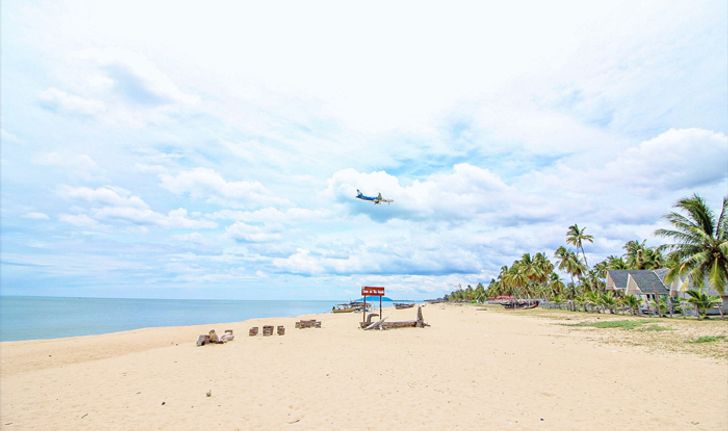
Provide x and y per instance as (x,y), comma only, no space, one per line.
(469,370)
(42,318)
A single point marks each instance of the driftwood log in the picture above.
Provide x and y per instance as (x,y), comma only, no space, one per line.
(253,331)
(281,330)
(202,340)
(267,330)
(381,324)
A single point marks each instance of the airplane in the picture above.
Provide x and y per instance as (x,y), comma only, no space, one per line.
(377,200)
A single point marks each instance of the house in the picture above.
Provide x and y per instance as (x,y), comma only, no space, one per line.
(651,284)
(681,284)
(646,284)
(640,282)
(617,280)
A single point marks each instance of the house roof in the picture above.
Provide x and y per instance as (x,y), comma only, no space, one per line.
(649,282)
(619,276)
(653,281)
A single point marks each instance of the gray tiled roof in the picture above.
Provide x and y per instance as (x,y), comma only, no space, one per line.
(662,273)
(649,282)
(619,276)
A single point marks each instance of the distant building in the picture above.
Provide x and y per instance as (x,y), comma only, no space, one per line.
(651,284)
(617,279)
(646,284)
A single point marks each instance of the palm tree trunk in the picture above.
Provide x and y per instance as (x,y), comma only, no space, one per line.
(584,254)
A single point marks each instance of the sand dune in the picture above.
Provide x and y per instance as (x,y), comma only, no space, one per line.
(469,370)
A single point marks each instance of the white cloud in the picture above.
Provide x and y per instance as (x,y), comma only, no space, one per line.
(60,101)
(677,158)
(81,220)
(138,79)
(246,232)
(107,195)
(114,204)
(78,165)
(208,185)
(457,194)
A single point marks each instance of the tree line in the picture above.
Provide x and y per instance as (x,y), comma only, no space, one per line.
(697,247)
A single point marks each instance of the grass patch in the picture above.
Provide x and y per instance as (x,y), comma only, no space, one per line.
(707,339)
(623,324)
(655,328)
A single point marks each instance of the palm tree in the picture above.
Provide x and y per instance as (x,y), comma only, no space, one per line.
(593,299)
(633,303)
(700,242)
(615,262)
(608,301)
(542,268)
(577,238)
(702,302)
(556,285)
(569,262)
(635,254)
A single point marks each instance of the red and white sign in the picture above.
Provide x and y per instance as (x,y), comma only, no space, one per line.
(372,291)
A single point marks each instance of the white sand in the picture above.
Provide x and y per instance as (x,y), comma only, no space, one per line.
(469,370)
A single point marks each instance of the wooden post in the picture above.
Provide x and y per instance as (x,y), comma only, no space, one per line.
(364,314)
(380,307)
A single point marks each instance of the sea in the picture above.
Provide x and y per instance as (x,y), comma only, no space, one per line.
(35,317)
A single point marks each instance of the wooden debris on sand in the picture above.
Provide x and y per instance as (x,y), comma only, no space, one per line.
(212,338)
(253,331)
(281,330)
(227,336)
(369,320)
(381,324)
(267,330)
(202,340)
(302,324)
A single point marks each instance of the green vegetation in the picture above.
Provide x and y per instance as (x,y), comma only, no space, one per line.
(655,328)
(707,339)
(702,301)
(621,324)
(699,250)
(642,325)
(700,246)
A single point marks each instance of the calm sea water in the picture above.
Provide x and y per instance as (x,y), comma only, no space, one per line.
(24,317)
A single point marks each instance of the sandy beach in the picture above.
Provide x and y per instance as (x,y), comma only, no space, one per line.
(471,369)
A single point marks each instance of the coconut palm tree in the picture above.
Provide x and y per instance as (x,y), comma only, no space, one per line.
(608,301)
(633,303)
(569,262)
(702,302)
(700,242)
(639,256)
(593,299)
(556,285)
(577,238)
(615,262)
(516,278)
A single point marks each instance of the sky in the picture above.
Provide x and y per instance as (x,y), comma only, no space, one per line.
(177,149)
